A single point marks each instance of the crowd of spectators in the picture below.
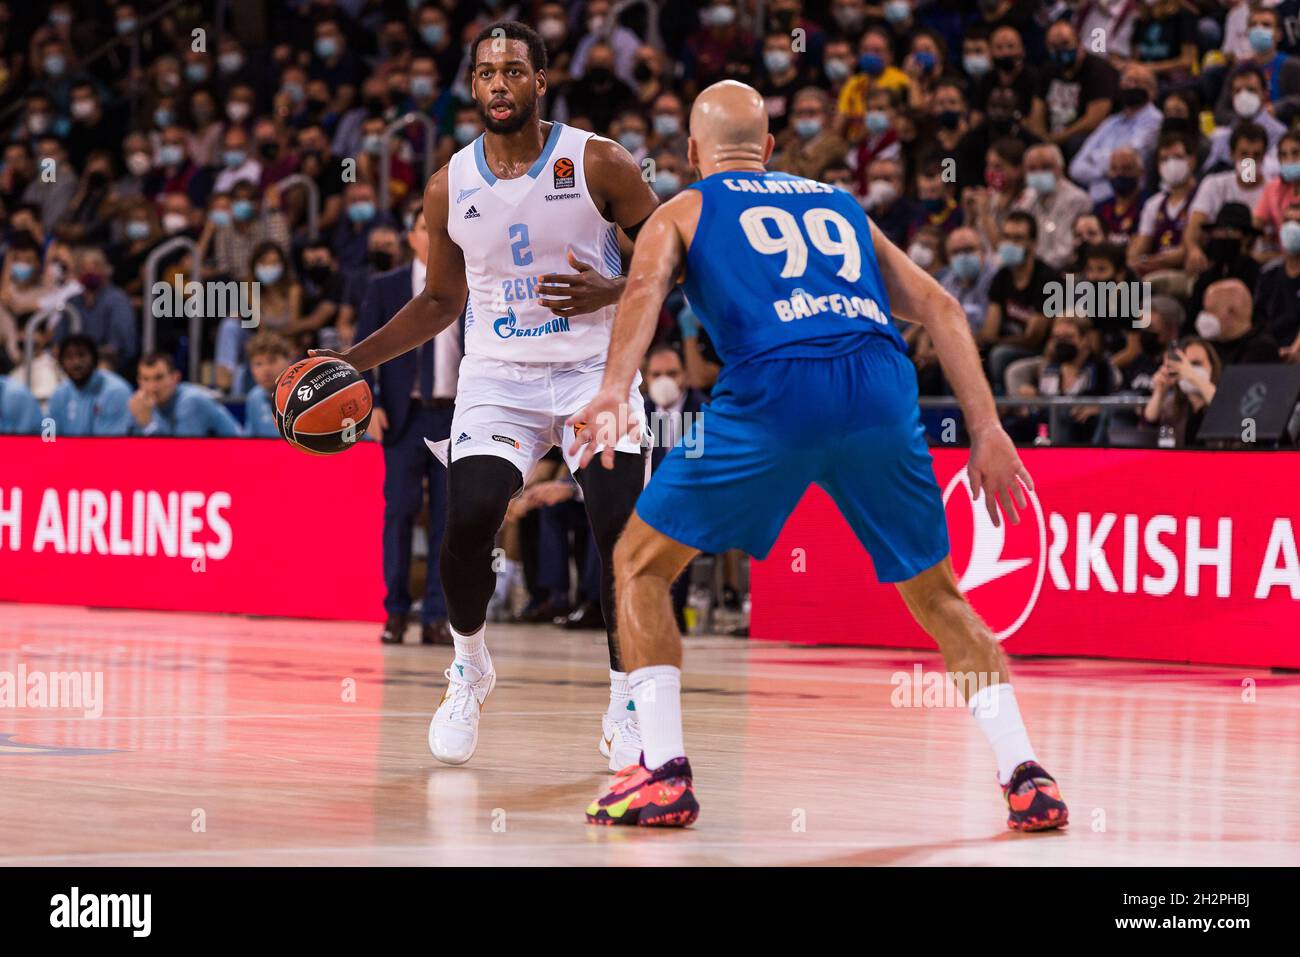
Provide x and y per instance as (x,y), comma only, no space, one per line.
(1012,148)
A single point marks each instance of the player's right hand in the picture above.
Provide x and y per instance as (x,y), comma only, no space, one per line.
(996,470)
(599,426)
(328,354)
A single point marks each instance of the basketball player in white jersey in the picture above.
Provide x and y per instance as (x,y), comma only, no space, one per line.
(510,219)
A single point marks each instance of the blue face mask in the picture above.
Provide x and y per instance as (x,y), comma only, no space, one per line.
(465,132)
(631,140)
(871,64)
(163,117)
(433,33)
(1289,234)
(896,11)
(326,47)
(372,144)
(269,274)
(55,64)
(925,60)
(196,72)
(667,184)
(808,128)
(234,158)
(22,271)
(422,87)
(1041,181)
(1290,171)
(169,154)
(124,27)
(361,212)
(666,125)
(966,265)
(242,209)
(1011,254)
(1261,39)
(219,217)
(877,122)
(137,229)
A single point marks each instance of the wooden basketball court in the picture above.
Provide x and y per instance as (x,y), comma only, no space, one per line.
(228,740)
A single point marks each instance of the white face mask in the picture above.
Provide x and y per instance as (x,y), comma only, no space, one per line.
(1246,104)
(174,222)
(880,192)
(664,391)
(1208,325)
(921,254)
(1175,170)
(238,111)
(1194,382)
(138,163)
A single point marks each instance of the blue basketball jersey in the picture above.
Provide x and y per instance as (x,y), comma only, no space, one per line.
(784,267)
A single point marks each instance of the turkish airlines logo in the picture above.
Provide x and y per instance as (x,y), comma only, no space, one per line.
(999,568)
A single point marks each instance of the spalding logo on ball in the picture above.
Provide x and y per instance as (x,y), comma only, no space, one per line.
(322,406)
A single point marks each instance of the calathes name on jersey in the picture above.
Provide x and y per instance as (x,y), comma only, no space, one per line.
(785,187)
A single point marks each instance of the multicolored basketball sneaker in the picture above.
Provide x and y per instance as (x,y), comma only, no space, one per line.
(638,796)
(1034,800)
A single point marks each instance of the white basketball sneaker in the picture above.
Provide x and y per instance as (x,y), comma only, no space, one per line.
(453,732)
(620,741)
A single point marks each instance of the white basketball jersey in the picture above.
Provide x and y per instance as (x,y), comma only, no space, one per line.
(512,232)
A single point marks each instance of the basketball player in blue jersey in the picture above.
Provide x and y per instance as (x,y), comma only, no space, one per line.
(796,288)
(524,237)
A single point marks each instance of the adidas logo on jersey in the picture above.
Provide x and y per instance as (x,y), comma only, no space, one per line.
(471,213)
(464,437)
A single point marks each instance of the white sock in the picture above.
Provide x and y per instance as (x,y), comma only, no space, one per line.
(995,711)
(471,649)
(657,692)
(620,697)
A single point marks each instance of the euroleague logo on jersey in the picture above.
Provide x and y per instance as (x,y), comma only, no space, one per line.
(1000,568)
(563,172)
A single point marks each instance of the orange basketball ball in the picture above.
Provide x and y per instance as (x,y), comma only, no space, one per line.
(322,405)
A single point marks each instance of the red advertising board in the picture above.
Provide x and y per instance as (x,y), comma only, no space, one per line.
(236,525)
(1153,555)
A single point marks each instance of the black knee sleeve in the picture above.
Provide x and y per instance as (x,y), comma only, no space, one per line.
(611,496)
(479,488)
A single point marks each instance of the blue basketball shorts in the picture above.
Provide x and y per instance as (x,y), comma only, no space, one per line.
(849,424)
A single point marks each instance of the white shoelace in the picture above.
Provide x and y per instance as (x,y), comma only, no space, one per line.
(461,695)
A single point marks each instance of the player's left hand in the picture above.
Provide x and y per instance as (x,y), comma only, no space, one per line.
(604,421)
(583,292)
(996,470)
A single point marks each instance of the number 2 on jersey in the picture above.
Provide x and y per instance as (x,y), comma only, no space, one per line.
(789,239)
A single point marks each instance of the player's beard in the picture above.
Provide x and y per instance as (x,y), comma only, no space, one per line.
(523,113)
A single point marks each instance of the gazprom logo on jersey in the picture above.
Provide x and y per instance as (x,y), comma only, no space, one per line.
(802,305)
(506,327)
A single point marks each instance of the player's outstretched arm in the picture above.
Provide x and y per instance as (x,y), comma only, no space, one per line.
(659,257)
(436,307)
(914,295)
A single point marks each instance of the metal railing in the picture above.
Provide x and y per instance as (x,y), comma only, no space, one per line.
(148,316)
(313,200)
(386,151)
(46,317)
(1053,403)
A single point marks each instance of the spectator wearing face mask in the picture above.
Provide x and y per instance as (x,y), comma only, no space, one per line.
(893,212)
(880,139)
(238,164)
(1136,126)
(362,215)
(1079,88)
(1240,186)
(324,289)
(1156,252)
(1010,71)
(1119,214)
(936,197)
(91,401)
(875,72)
(1277,291)
(1226,319)
(671,175)
(1166,321)
(234,235)
(718,41)
(925,65)
(139,235)
(597,94)
(630,131)
(809,144)
(1114,313)
(106,313)
(1226,249)
(1053,201)
(54,184)
(1016,323)
(92,126)
(1280,192)
(969,274)
(668,125)
(1069,366)
(781,76)
(1249,105)
(1280,70)
(1182,389)
(986,208)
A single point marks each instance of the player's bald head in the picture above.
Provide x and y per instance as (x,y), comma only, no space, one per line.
(728,126)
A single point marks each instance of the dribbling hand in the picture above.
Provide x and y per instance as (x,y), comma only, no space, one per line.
(996,470)
(604,421)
